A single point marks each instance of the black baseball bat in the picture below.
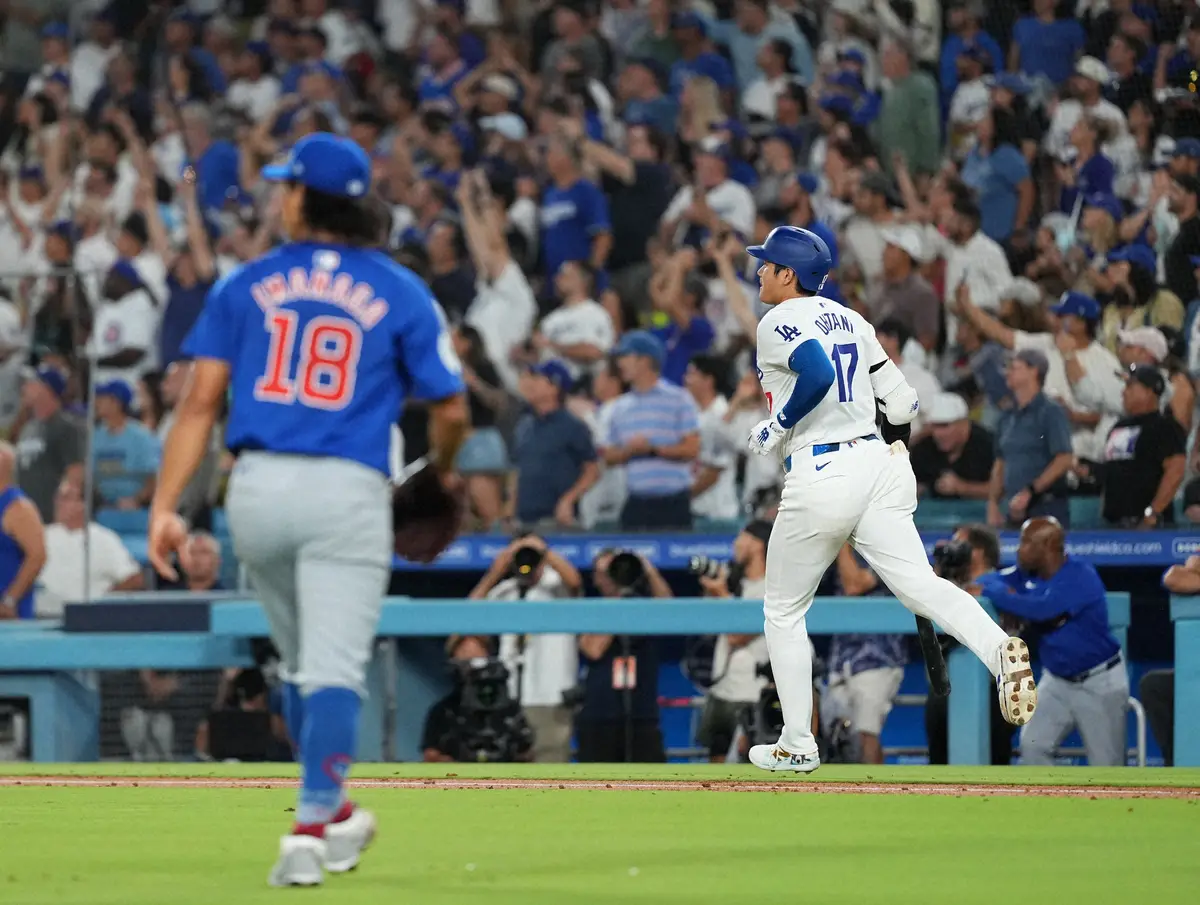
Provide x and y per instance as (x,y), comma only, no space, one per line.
(935,661)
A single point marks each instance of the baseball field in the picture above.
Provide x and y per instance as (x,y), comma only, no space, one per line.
(142,834)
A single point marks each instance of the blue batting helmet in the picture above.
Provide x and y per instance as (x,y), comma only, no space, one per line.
(799,250)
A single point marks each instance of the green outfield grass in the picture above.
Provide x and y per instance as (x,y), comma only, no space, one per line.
(211,846)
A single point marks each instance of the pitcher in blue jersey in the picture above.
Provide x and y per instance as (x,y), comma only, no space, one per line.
(22,543)
(318,342)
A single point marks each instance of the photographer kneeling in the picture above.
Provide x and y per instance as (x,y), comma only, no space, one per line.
(617,720)
(543,668)
(479,721)
(736,681)
(972,551)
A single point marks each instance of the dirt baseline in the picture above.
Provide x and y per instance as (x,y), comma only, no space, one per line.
(454,783)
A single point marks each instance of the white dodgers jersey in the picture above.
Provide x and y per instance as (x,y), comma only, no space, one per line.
(848,409)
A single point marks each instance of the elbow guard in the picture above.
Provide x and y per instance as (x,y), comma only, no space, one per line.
(901,406)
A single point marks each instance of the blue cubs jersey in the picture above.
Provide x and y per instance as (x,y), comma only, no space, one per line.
(324,343)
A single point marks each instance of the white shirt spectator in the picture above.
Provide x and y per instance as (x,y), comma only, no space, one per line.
(503,312)
(1069,112)
(93,257)
(1099,391)
(256,98)
(120,203)
(734,670)
(719,312)
(603,501)
(582,322)
(153,271)
(731,201)
(169,155)
(130,322)
(89,63)
(981,262)
(863,245)
(63,579)
(968,105)
(762,96)
(717,450)
(549,664)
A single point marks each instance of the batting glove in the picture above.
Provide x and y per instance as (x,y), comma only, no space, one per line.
(766,436)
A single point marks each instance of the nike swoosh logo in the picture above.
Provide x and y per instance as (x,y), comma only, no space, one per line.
(819,467)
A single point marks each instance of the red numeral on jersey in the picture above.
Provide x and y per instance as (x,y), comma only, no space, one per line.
(328,366)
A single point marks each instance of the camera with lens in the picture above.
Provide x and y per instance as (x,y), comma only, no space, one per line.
(952,561)
(627,572)
(490,725)
(525,563)
(707,567)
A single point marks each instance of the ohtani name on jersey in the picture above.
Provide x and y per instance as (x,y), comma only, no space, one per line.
(829,322)
(356,299)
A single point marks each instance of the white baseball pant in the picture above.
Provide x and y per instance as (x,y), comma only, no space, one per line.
(866,493)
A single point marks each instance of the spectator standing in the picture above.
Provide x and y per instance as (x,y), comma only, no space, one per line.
(655,433)
(1144,459)
(1178,269)
(975,259)
(22,543)
(110,566)
(542,667)
(125,326)
(483,458)
(1033,448)
(604,501)
(1044,45)
(997,170)
(580,331)
(1087,98)
(656,38)
(714,200)
(504,308)
(126,454)
(679,292)
(903,294)
(955,460)
(865,670)
(736,685)
(14,351)
(200,491)
(1148,346)
(1083,684)
(962,22)
(640,90)
(554,456)
(894,338)
(862,238)
(51,442)
(574,216)
(697,56)
(908,123)
(714,495)
(754,25)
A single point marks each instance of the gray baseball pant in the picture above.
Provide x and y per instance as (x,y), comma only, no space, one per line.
(1096,707)
(315,536)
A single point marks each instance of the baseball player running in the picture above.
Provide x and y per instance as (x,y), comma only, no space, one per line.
(822,370)
(318,343)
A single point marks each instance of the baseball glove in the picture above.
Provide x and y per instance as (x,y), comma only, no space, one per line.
(426,515)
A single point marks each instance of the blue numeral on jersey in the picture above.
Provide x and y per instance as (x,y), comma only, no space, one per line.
(787,333)
(845,373)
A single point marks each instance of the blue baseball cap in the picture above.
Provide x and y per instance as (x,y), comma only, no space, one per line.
(61,76)
(1011,81)
(1106,202)
(689,20)
(641,342)
(124,268)
(808,182)
(32,171)
(327,163)
(1077,304)
(977,53)
(1187,147)
(556,372)
(836,103)
(119,390)
(1142,255)
(852,55)
(1195,259)
(59,30)
(847,79)
(53,378)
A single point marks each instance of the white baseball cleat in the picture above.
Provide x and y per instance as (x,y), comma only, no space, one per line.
(1015,685)
(346,841)
(776,760)
(300,862)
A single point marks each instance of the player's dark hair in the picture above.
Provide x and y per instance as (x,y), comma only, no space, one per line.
(353,219)
(985,540)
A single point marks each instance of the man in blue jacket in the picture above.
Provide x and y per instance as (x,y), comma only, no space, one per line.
(1084,684)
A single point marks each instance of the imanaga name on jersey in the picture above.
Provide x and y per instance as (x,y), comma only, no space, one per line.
(831,321)
(357,299)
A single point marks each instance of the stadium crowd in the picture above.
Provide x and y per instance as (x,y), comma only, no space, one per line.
(1011,192)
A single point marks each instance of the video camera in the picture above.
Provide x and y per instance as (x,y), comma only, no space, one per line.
(952,561)
(525,563)
(490,727)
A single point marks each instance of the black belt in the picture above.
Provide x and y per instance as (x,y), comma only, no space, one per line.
(1111,663)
